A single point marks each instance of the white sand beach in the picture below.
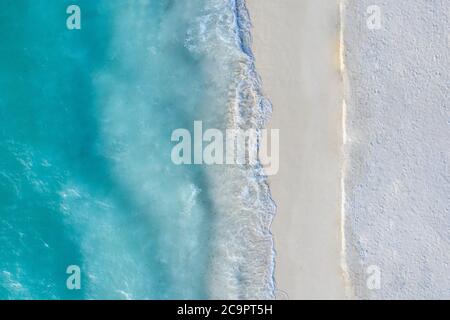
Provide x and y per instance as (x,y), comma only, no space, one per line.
(296,45)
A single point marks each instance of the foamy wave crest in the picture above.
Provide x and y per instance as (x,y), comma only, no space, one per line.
(242,264)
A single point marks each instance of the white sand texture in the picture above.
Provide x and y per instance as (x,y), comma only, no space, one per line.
(296,45)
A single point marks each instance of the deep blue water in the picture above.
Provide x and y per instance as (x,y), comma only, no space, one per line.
(86,176)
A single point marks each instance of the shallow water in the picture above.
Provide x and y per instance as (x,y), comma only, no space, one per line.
(86,176)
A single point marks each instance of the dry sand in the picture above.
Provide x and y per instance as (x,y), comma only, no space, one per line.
(296,45)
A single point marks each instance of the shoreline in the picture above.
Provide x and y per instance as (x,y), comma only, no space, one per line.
(296,48)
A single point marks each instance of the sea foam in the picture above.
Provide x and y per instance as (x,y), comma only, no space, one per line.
(243,254)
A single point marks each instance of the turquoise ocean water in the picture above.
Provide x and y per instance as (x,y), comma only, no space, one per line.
(86,177)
